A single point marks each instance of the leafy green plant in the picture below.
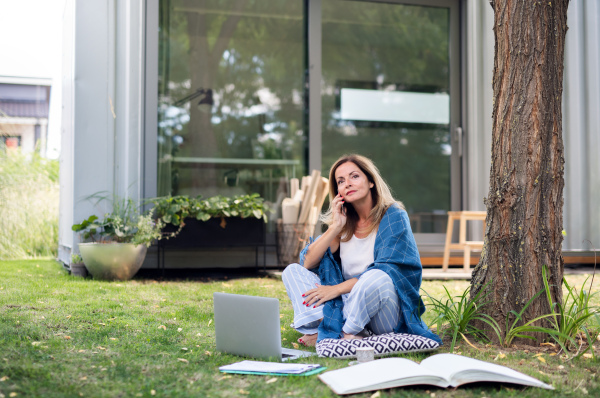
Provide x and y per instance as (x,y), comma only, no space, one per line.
(571,316)
(244,206)
(88,227)
(458,313)
(124,224)
(575,316)
(513,330)
(174,209)
(148,230)
(76,259)
(592,332)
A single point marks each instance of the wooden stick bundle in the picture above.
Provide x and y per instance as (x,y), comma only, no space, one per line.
(309,197)
(295,232)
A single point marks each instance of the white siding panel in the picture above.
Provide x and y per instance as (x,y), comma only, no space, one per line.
(581,121)
(102,116)
(128,99)
(592,62)
(581,116)
(65,218)
(478,132)
(574,125)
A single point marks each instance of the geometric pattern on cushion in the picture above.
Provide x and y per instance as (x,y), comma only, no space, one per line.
(383,344)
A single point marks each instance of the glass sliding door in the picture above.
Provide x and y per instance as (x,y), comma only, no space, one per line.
(386,94)
(235,76)
(230,100)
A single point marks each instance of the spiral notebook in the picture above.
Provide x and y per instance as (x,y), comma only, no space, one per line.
(272,368)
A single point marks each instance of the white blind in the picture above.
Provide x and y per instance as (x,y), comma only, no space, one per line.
(394,106)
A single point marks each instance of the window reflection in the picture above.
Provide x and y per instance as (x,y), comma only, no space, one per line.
(231,105)
(391,52)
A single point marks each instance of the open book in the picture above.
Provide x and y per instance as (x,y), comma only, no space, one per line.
(442,370)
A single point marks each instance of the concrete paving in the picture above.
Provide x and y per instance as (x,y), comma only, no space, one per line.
(459,273)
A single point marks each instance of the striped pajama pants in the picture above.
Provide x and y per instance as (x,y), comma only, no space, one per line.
(372,303)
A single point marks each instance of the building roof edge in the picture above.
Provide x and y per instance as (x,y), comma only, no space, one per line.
(34,81)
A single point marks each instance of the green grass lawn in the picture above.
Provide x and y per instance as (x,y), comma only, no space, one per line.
(66,336)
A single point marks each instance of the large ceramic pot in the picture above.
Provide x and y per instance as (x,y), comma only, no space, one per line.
(112,261)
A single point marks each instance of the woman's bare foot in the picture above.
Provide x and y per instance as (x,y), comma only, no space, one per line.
(348,336)
(308,340)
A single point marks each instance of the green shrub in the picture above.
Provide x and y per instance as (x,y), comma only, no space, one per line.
(126,223)
(575,316)
(457,315)
(174,209)
(29,197)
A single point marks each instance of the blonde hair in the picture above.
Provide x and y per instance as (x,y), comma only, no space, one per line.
(381,193)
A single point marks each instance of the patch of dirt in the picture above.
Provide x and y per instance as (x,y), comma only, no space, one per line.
(25,307)
(533,348)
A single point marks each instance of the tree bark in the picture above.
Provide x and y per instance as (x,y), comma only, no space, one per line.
(525,200)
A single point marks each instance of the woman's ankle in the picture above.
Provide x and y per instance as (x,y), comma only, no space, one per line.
(348,336)
(309,340)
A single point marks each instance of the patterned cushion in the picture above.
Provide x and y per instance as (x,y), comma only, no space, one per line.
(384,344)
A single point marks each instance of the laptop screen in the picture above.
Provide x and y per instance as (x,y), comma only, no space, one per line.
(247,325)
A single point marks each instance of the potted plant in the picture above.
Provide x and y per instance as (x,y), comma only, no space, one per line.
(114,247)
(213,222)
(77,266)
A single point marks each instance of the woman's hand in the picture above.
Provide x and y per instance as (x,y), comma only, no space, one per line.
(320,294)
(339,213)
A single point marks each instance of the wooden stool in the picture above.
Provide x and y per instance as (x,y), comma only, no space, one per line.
(463,243)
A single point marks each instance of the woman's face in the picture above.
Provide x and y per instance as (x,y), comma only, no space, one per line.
(352,183)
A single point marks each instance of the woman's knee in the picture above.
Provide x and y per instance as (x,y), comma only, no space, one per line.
(289,272)
(374,279)
(376,282)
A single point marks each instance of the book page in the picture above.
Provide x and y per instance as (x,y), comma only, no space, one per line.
(379,374)
(460,369)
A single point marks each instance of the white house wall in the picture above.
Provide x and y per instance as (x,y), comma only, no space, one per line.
(65,218)
(128,91)
(478,129)
(101,139)
(581,125)
(581,117)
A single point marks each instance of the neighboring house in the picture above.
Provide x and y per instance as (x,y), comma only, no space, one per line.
(196,97)
(24,108)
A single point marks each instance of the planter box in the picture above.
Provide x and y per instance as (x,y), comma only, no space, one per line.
(196,234)
(238,232)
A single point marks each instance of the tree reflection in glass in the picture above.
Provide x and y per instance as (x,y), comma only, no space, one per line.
(399,48)
(250,55)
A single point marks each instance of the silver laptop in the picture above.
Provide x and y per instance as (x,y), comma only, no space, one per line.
(250,326)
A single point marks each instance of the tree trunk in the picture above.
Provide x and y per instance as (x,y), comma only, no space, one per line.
(525,201)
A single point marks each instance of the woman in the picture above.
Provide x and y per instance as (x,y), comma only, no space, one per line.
(363,275)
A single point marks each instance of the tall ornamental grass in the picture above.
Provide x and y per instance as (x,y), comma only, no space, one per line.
(29,197)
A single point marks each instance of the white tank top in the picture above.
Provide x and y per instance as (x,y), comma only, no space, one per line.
(357,254)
